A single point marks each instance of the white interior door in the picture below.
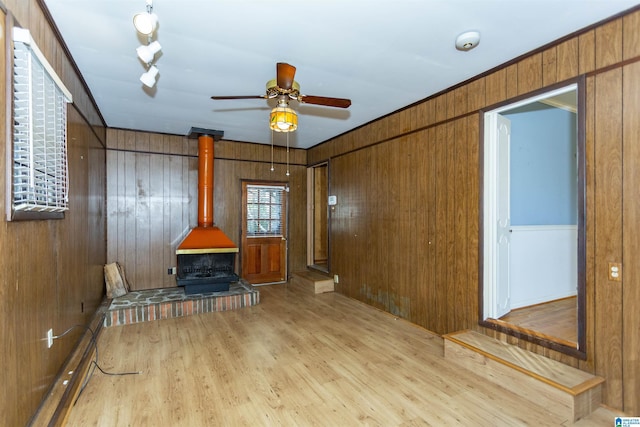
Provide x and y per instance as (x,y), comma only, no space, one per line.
(503,229)
(497,223)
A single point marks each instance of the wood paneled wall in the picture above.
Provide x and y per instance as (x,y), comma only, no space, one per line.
(50,271)
(152,198)
(405,232)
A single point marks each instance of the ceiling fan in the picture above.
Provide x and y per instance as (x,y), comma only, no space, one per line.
(284,87)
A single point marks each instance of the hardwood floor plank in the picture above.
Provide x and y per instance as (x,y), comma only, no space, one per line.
(294,359)
(557,319)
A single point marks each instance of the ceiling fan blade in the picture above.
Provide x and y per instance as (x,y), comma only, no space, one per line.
(238,97)
(323,100)
(285,75)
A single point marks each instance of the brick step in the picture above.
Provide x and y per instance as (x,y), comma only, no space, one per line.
(566,391)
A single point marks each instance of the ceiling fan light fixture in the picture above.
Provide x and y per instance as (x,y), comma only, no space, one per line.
(149,78)
(283,119)
(148,52)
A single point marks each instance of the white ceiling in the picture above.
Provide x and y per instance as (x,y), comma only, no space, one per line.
(383,55)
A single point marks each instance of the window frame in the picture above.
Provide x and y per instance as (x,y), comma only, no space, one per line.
(46,196)
(282,189)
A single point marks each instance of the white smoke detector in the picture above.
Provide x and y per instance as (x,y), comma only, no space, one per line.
(467,40)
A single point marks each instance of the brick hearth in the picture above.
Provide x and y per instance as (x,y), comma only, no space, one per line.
(166,303)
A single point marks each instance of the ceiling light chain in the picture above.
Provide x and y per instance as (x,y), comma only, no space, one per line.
(146,23)
(272,168)
(287,154)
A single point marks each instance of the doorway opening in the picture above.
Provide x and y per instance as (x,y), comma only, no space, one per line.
(533,241)
(318,217)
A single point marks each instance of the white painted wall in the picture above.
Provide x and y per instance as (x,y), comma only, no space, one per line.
(543,263)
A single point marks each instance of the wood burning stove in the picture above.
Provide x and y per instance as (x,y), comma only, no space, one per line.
(209,272)
(206,256)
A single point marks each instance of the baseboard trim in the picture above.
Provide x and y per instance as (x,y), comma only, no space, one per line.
(58,401)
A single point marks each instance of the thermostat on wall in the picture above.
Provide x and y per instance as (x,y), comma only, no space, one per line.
(333,200)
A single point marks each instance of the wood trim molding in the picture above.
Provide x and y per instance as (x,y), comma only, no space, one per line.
(65,389)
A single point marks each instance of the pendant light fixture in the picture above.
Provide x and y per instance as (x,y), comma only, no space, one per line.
(146,23)
(283,118)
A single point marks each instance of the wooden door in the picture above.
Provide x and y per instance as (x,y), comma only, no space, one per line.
(264,232)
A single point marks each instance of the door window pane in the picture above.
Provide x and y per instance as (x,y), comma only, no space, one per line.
(264,210)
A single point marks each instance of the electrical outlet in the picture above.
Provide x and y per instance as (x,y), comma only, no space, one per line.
(171,271)
(336,279)
(615,271)
(49,338)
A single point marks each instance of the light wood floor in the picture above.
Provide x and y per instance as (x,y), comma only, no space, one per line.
(557,319)
(295,359)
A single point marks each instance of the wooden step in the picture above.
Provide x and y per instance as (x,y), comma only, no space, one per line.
(313,281)
(559,388)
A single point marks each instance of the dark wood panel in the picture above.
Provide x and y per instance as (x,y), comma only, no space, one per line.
(631,239)
(142,214)
(440,108)
(431,279)
(609,44)
(567,59)
(631,36)
(549,66)
(608,232)
(158,216)
(459,101)
(477,94)
(439,171)
(460,232)
(448,292)
(587,52)
(419,311)
(51,270)
(496,87)
(178,217)
(512,82)
(438,320)
(473,222)
(426,113)
(530,74)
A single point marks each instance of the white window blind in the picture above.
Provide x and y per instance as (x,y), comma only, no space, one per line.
(40,173)
(265,210)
